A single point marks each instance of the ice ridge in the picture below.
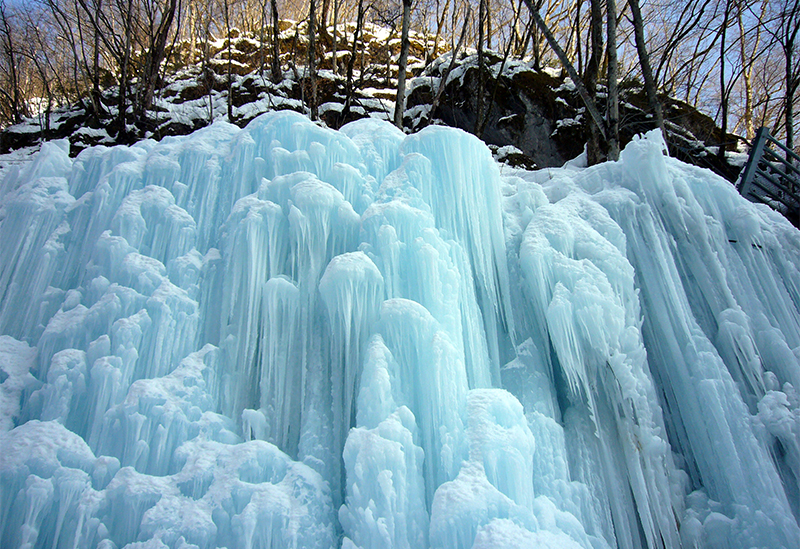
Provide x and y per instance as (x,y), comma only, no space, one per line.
(287,336)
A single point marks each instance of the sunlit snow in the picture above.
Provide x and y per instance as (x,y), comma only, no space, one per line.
(287,336)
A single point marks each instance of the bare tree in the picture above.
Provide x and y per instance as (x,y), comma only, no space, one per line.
(11,95)
(229,46)
(161,17)
(262,38)
(67,22)
(276,53)
(536,39)
(744,71)
(686,24)
(16,107)
(785,35)
(400,102)
(587,99)
(577,33)
(453,56)
(323,19)
(351,61)
(590,77)
(647,70)
(335,59)
(613,90)
(207,72)
(748,60)
(115,29)
(482,15)
(724,90)
(312,62)
(498,80)
(38,54)
(440,21)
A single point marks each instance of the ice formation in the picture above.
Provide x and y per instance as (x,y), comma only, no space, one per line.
(286,336)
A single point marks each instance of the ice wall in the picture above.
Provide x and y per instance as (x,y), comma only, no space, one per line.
(286,336)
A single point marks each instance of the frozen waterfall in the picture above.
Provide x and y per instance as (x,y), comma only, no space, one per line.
(287,336)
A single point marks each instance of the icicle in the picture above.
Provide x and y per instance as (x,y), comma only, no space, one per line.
(281,364)
(350,303)
(352,290)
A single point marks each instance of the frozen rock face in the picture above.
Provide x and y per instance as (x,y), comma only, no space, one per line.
(286,336)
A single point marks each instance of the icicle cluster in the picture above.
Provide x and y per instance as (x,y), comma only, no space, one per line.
(286,336)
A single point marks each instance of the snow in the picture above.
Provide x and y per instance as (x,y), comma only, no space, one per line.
(567,123)
(568,85)
(738,159)
(15,159)
(287,336)
(506,151)
(552,71)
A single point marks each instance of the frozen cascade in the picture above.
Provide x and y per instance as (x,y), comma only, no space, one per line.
(286,336)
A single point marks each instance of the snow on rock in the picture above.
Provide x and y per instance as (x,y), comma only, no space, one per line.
(287,336)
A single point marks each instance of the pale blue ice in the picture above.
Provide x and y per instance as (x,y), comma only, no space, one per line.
(287,336)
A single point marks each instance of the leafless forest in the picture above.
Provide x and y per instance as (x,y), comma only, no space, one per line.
(731,59)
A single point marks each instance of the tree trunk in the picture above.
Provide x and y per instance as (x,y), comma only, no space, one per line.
(439,25)
(577,30)
(192,26)
(230,78)
(536,41)
(488,16)
(613,91)
(594,147)
(323,18)
(312,57)
(497,81)
(122,100)
(591,106)
(647,70)
(517,32)
(532,36)
(481,67)
(722,87)
(596,43)
(206,70)
(262,36)
(96,69)
(351,62)
(791,25)
(443,80)
(789,100)
(10,51)
(334,61)
(276,53)
(399,106)
(747,68)
(154,57)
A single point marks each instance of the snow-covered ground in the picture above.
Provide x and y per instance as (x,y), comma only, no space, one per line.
(287,336)
(19,157)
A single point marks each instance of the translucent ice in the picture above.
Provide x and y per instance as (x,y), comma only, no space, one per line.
(286,336)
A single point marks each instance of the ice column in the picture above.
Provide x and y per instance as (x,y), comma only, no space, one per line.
(352,290)
(432,383)
(281,363)
(708,419)
(582,288)
(463,191)
(254,250)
